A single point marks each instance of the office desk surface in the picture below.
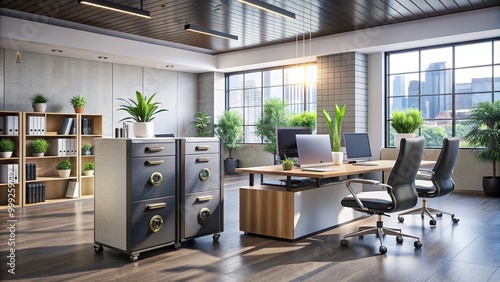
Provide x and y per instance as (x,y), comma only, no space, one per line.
(342,170)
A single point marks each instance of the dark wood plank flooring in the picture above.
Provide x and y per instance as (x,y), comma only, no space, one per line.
(55,243)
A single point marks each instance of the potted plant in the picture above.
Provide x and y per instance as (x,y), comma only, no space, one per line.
(287,163)
(39,102)
(405,123)
(142,111)
(230,131)
(78,102)
(7,147)
(335,127)
(275,114)
(304,119)
(64,168)
(87,149)
(201,123)
(485,135)
(38,147)
(88,169)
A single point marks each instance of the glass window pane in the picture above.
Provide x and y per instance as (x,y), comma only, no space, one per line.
(311,95)
(253,80)
(311,107)
(497,52)
(440,56)
(252,115)
(294,75)
(252,97)
(437,106)
(404,84)
(236,81)
(235,98)
(402,103)
(496,75)
(296,108)
(403,62)
(473,79)
(311,74)
(476,54)
(294,94)
(272,77)
(273,92)
(250,136)
(435,131)
(497,96)
(437,82)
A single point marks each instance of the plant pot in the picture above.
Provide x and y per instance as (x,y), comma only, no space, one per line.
(491,187)
(5,155)
(287,166)
(230,164)
(399,136)
(86,153)
(338,157)
(88,172)
(39,107)
(64,173)
(37,154)
(144,130)
(79,110)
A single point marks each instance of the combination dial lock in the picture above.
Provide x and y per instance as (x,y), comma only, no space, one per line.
(156,178)
(156,223)
(204,216)
(204,174)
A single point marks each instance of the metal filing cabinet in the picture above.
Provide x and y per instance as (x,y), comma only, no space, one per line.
(135,204)
(201,193)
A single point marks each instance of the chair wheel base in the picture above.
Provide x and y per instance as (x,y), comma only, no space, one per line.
(382,250)
(401,219)
(432,222)
(344,243)
(399,239)
(417,244)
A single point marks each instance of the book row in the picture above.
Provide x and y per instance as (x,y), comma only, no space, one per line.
(9,173)
(35,193)
(9,125)
(63,147)
(30,171)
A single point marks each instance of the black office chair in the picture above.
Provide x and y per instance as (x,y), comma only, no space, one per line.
(436,182)
(400,194)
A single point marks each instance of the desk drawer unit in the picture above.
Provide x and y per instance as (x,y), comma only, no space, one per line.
(201,193)
(135,194)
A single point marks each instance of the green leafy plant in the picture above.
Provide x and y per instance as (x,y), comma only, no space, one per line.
(406,121)
(201,123)
(275,114)
(78,101)
(304,119)
(230,130)
(88,166)
(64,165)
(87,147)
(39,145)
(287,163)
(485,132)
(140,110)
(335,126)
(39,98)
(7,145)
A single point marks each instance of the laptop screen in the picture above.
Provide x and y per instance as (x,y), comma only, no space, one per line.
(314,150)
(357,146)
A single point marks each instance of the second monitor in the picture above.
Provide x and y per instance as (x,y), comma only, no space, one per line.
(286,144)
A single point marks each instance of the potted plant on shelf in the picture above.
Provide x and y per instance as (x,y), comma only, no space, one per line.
(64,168)
(88,169)
(405,123)
(78,102)
(87,149)
(485,136)
(287,163)
(142,111)
(230,130)
(39,102)
(7,147)
(201,123)
(38,147)
(335,127)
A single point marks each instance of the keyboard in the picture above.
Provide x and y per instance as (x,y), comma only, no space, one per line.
(366,164)
(319,168)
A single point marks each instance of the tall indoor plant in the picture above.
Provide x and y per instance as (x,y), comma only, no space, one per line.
(485,135)
(142,111)
(335,127)
(275,114)
(405,123)
(230,130)
(201,124)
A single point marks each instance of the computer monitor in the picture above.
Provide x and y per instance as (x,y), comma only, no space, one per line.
(357,146)
(286,143)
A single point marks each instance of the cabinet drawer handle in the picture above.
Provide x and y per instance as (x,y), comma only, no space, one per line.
(156,206)
(154,149)
(202,148)
(204,198)
(202,160)
(155,162)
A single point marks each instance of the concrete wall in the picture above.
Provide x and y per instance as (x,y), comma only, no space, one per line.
(59,78)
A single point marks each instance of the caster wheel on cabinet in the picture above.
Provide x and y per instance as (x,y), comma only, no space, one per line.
(432,222)
(399,239)
(133,258)
(344,243)
(98,249)
(401,219)
(382,250)
(417,245)
(177,246)
(216,237)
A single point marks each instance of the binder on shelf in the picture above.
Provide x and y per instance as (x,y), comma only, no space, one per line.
(16,125)
(66,126)
(72,191)
(2,125)
(73,127)
(42,125)
(55,147)
(10,125)
(6,173)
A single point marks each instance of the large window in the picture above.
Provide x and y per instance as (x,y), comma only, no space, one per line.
(248,91)
(444,83)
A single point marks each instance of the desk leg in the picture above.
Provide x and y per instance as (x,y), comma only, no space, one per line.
(251,179)
(288,183)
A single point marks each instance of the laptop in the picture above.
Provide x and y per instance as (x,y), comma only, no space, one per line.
(315,152)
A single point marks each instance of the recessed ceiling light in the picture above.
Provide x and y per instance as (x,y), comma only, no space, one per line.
(56,51)
(103,57)
(169,66)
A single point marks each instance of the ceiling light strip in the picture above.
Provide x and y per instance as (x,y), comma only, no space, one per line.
(117,7)
(207,31)
(270,8)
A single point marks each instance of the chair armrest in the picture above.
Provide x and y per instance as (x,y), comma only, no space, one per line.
(366,181)
(425,174)
(363,181)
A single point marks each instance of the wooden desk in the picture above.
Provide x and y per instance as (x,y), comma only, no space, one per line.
(293,213)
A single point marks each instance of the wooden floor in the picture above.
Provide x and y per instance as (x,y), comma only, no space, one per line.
(55,243)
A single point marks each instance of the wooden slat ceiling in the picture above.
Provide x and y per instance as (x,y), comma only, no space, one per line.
(254,27)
